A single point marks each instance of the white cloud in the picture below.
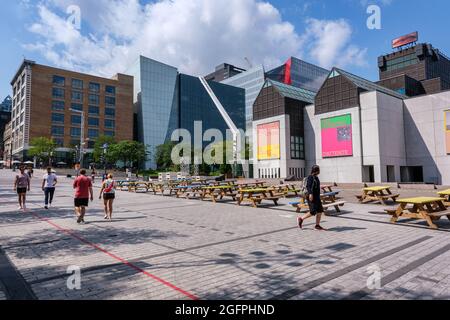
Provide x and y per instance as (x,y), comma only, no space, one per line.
(194,35)
(329,44)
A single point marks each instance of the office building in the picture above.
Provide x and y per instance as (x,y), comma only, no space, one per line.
(223,72)
(5,118)
(166,100)
(6,105)
(7,144)
(49,102)
(415,70)
(298,73)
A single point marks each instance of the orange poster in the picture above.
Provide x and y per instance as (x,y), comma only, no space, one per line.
(269,141)
(447,130)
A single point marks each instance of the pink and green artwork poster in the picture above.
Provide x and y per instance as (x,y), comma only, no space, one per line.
(337,137)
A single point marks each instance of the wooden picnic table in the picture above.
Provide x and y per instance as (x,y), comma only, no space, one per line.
(135,186)
(256,195)
(257,184)
(189,192)
(378,194)
(427,208)
(327,188)
(328,201)
(219,192)
(446,196)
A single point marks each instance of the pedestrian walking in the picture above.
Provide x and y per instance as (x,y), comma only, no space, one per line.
(83,192)
(93,173)
(313,198)
(49,182)
(109,194)
(21,186)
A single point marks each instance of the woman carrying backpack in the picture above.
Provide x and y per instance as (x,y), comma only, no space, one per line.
(313,198)
(109,194)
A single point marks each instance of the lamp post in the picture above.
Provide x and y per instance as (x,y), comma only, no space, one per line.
(81,135)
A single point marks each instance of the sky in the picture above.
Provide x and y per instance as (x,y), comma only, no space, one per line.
(107,36)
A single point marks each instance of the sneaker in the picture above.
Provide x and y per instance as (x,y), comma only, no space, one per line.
(319,228)
(300,222)
(46,207)
(20,208)
(79,220)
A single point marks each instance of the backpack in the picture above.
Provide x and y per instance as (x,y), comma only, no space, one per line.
(304,190)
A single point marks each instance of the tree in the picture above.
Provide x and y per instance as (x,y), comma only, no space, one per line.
(129,152)
(42,148)
(98,148)
(163,155)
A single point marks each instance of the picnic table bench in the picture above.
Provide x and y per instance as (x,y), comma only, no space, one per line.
(378,194)
(256,195)
(328,201)
(446,196)
(189,192)
(427,208)
(135,186)
(218,192)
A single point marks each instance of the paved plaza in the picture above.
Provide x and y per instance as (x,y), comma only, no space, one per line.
(160,247)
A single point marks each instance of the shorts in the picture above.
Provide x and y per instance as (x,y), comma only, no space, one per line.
(315,207)
(81,202)
(21,190)
(109,196)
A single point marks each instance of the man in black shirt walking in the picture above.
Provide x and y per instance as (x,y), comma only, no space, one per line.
(313,198)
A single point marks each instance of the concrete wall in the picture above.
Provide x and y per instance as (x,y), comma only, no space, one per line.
(339,169)
(285,162)
(425,136)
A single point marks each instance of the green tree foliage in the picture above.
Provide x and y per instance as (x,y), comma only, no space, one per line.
(131,153)
(98,148)
(42,148)
(163,156)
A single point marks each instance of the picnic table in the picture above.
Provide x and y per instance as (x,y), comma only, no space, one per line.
(327,188)
(257,184)
(329,200)
(189,192)
(135,186)
(427,208)
(378,194)
(256,195)
(446,196)
(219,192)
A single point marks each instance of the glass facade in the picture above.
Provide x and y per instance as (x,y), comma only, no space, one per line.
(6,105)
(167,100)
(252,81)
(196,105)
(299,73)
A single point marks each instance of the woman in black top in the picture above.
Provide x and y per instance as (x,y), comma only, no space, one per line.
(314,201)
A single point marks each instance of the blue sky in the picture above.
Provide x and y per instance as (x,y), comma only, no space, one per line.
(196,35)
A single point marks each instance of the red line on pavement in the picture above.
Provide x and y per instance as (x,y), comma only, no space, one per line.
(122,260)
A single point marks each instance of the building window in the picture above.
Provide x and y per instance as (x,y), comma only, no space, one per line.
(93,133)
(76,119)
(59,81)
(77,106)
(110,124)
(110,101)
(93,122)
(58,93)
(58,105)
(110,90)
(110,112)
(57,118)
(297,148)
(59,142)
(75,132)
(77,84)
(109,133)
(57,131)
(94,87)
(95,111)
(77,96)
(94,99)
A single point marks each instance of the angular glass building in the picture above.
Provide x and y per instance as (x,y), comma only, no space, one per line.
(6,105)
(300,74)
(166,100)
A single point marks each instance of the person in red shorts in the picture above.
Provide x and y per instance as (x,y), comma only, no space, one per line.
(83,192)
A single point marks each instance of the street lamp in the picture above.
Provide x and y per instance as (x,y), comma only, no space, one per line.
(81,135)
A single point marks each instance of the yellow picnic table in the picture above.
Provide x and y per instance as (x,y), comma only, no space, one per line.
(427,208)
(256,195)
(215,192)
(377,193)
(446,195)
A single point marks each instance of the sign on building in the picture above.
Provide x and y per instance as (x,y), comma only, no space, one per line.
(269,141)
(337,140)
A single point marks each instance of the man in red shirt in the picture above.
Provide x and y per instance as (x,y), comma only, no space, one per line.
(83,191)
